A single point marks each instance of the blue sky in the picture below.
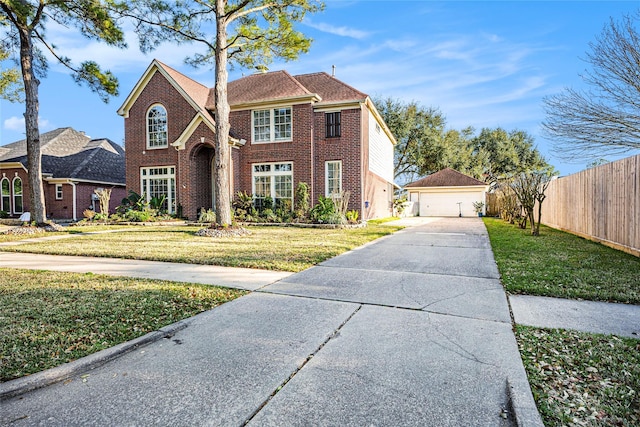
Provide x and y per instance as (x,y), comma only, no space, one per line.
(482,63)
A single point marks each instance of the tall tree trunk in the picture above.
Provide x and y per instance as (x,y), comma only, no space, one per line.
(32,108)
(223,152)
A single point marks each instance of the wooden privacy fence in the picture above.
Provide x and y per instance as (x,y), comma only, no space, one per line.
(601,204)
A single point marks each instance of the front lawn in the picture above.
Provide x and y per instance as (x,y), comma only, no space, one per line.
(49,318)
(582,379)
(559,264)
(272,248)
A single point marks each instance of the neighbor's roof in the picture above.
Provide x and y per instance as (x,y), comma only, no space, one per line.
(446,178)
(67,153)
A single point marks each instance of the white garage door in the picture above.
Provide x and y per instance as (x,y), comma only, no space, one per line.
(446,204)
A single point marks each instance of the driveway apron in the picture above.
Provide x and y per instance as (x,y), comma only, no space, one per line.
(413,329)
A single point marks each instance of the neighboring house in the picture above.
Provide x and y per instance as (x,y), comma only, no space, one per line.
(447,193)
(285,129)
(73,166)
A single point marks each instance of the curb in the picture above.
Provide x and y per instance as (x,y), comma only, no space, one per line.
(65,371)
(522,406)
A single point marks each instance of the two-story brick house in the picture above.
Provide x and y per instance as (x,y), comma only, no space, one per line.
(285,129)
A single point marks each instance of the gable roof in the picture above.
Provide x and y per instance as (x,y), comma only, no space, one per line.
(69,154)
(192,91)
(446,178)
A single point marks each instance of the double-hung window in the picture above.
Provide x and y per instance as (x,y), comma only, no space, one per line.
(273,180)
(333,178)
(159,183)
(272,125)
(157,127)
(332,124)
(59,193)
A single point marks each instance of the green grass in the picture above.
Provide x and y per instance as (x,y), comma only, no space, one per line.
(582,379)
(273,248)
(49,318)
(560,264)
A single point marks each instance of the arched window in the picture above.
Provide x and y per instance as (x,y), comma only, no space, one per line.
(157,127)
(17,195)
(5,192)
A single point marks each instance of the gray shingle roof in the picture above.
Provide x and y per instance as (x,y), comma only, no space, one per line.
(67,153)
(446,178)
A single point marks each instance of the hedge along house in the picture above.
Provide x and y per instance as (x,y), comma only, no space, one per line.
(447,193)
(285,129)
(73,166)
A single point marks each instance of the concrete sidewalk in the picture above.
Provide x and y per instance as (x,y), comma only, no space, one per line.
(413,329)
(586,316)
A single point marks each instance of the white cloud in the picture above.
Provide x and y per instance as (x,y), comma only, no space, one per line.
(16,124)
(342,31)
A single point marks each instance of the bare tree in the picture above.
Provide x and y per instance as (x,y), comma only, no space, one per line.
(604,119)
(529,188)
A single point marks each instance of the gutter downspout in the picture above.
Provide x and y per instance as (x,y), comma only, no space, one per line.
(73,188)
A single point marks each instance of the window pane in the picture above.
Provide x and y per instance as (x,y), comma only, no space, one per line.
(284,187)
(332,122)
(262,186)
(282,123)
(157,127)
(261,126)
(334,178)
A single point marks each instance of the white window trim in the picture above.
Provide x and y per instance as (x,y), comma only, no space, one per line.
(272,173)
(146,124)
(326,176)
(272,129)
(171,196)
(59,193)
(13,191)
(2,206)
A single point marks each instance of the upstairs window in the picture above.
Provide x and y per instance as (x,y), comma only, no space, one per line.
(157,127)
(5,190)
(17,195)
(272,125)
(332,124)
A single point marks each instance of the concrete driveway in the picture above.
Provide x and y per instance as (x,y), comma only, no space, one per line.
(413,329)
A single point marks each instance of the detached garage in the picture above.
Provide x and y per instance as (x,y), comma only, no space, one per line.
(447,193)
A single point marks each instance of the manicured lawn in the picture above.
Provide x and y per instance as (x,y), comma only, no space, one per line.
(559,264)
(49,318)
(582,379)
(272,248)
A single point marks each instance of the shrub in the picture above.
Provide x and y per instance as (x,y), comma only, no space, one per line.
(89,214)
(267,203)
(100,217)
(301,200)
(4,214)
(352,216)
(137,216)
(323,210)
(207,216)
